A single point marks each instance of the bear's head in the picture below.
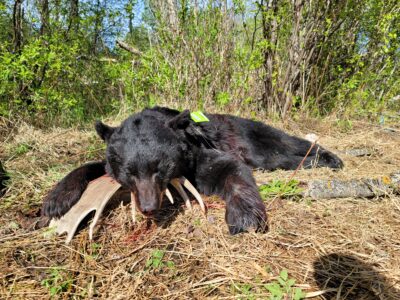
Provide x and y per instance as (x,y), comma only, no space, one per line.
(144,154)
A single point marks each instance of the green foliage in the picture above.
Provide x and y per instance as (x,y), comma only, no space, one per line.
(56,282)
(22,149)
(197,222)
(345,125)
(281,189)
(246,290)
(156,261)
(284,288)
(241,55)
(95,249)
(223,99)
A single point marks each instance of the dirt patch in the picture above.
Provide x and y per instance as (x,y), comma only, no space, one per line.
(334,249)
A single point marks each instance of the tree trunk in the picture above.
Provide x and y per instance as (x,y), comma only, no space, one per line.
(74,16)
(97,25)
(292,76)
(44,17)
(17,24)
(269,29)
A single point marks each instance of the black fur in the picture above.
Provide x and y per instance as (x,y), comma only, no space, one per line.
(70,189)
(3,178)
(156,145)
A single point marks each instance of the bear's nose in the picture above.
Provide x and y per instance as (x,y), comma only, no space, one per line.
(148,203)
(148,208)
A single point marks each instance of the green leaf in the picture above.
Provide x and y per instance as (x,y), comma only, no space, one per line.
(281,282)
(290,282)
(156,262)
(284,275)
(158,254)
(170,264)
(274,288)
(53,290)
(298,294)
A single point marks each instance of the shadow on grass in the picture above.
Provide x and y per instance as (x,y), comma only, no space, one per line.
(351,278)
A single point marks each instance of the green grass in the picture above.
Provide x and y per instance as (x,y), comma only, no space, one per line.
(279,188)
(157,261)
(57,282)
(281,288)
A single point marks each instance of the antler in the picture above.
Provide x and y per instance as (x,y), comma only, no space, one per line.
(177,184)
(96,196)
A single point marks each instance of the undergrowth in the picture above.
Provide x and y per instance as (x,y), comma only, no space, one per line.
(279,188)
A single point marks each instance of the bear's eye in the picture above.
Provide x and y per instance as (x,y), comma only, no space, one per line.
(113,156)
(115,159)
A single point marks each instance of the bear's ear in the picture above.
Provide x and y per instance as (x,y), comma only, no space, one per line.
(184,125)
(181,121)
(104,131)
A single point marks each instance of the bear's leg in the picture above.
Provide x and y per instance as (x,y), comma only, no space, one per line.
(270,149)
(70,189)
(219,173)
(327,159)
(320,158)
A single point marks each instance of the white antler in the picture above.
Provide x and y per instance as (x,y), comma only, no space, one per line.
(99,192)
(177,184)
(133,207)
(94,198)
(195,193)
(169,196)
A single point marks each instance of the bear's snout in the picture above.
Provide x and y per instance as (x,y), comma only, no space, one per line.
(148,194)
(148,209)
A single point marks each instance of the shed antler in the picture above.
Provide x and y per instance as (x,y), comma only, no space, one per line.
(96,197)
(177,184)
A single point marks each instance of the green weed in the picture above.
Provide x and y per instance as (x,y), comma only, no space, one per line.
(246,290)
(280,188)
(156,261)
(284,288)
(22,149)
(56,283)
(344,125)
(95,249)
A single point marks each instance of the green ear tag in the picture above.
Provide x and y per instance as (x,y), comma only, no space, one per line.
(199,117)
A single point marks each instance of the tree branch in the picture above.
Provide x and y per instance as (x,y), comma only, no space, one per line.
(128,48)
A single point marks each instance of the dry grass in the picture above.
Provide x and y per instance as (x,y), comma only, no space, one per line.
(350,247)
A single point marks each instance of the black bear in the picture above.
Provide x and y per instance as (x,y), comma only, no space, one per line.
(3,178)
(154,146)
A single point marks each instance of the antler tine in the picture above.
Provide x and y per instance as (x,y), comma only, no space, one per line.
(177,185)
(169,196)
(95,198)
(133,207)
(187,184)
